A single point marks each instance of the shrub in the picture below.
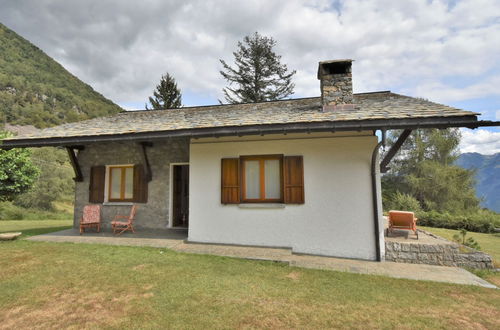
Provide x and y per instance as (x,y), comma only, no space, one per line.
(469,241)
(402,202)
(482,221)
(9,211)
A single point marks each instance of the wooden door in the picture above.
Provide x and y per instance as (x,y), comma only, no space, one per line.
(180,198)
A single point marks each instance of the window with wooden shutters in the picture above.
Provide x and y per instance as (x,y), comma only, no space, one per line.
(118,183)
(263,179)
(96,184)
(230,181)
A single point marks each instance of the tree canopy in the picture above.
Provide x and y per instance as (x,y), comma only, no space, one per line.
(17,172)
(55,182)
(258,74)
(166,95)
(425,170)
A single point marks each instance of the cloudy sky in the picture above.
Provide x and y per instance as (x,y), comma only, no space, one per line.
(445,51)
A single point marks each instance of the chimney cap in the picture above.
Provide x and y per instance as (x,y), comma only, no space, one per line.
(331,66)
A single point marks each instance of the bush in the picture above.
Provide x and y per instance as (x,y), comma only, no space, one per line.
(482,221)
(402,202)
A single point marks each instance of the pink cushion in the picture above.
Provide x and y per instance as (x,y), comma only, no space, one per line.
(91,214)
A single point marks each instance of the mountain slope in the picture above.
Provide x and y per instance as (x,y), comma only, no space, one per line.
(487,175)
(36,90)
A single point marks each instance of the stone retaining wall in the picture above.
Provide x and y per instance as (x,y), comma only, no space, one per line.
(444,254)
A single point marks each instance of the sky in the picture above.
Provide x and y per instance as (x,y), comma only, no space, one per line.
(444,51)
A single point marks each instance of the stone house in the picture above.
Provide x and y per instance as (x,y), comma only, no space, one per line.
(298,173)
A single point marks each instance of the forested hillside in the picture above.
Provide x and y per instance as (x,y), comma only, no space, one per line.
(487,177)
(36,90)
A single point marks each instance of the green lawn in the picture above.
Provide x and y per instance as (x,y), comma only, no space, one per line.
(54,285)
(34,227)
(489,243)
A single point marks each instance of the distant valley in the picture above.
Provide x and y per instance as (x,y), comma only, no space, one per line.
(487,177)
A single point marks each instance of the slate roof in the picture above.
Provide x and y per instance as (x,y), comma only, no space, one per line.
(368,106)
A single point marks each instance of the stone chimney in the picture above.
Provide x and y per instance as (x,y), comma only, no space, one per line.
(336,85)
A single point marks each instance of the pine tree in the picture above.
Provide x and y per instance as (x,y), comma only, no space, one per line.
(258,74)
(166,95)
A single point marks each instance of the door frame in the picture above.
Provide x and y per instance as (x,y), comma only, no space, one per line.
(171,193)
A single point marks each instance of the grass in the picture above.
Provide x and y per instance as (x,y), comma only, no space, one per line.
(34,227)
(9,211)
(97,286)
(489,243)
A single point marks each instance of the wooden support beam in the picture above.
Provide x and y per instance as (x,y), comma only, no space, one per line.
(394,149)
(74,162)
(145,160)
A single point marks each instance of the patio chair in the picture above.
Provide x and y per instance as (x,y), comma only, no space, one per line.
(91,218)
(122,226)
(402,220)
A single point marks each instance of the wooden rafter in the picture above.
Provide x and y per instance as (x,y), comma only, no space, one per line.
(74,162)
(145,160)
(394,149)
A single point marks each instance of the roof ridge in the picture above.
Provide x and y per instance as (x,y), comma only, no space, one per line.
(241,104)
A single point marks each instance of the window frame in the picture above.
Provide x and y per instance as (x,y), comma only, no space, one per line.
(261,159)
(122,183)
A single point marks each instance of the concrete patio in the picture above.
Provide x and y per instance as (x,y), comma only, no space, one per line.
(174,239)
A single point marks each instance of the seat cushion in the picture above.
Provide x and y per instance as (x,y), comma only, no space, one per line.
(119,223)
(91,214)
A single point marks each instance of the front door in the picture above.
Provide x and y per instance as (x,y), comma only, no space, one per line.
(180,198)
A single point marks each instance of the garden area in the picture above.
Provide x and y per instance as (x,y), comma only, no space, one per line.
(87,286)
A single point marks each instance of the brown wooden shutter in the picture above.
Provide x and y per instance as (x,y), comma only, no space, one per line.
(230,183)
(293,179)
(140,185)
(96,184)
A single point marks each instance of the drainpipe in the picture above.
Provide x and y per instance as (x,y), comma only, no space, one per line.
(374,196)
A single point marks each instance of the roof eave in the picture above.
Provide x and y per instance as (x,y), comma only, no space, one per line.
(355,125)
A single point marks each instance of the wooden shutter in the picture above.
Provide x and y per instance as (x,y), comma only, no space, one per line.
(96,184)
(140,185)
(230,185)
(293,179)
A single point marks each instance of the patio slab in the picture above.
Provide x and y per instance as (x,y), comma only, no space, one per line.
(157,238)
(175,240)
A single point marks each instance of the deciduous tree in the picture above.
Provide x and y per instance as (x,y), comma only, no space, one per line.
(17,172)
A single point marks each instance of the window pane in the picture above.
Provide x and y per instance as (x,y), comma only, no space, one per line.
(129,183)
(115,183)
(272,178)
(252,179)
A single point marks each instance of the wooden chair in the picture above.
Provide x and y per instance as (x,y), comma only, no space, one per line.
(402,220)
(91,218)
(122,226)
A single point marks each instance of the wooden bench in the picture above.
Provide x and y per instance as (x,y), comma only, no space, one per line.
(402,220)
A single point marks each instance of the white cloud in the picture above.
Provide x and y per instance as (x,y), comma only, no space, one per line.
(480,141)
(430,49)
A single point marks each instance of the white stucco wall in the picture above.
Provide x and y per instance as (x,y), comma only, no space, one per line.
(336,219)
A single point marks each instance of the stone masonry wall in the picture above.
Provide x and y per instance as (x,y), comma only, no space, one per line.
(336,89)
(446,254)
(152,215)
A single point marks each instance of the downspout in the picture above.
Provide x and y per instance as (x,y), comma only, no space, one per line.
(374,196)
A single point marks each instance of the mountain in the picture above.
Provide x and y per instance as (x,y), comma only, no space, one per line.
(36,90)
(487,176)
